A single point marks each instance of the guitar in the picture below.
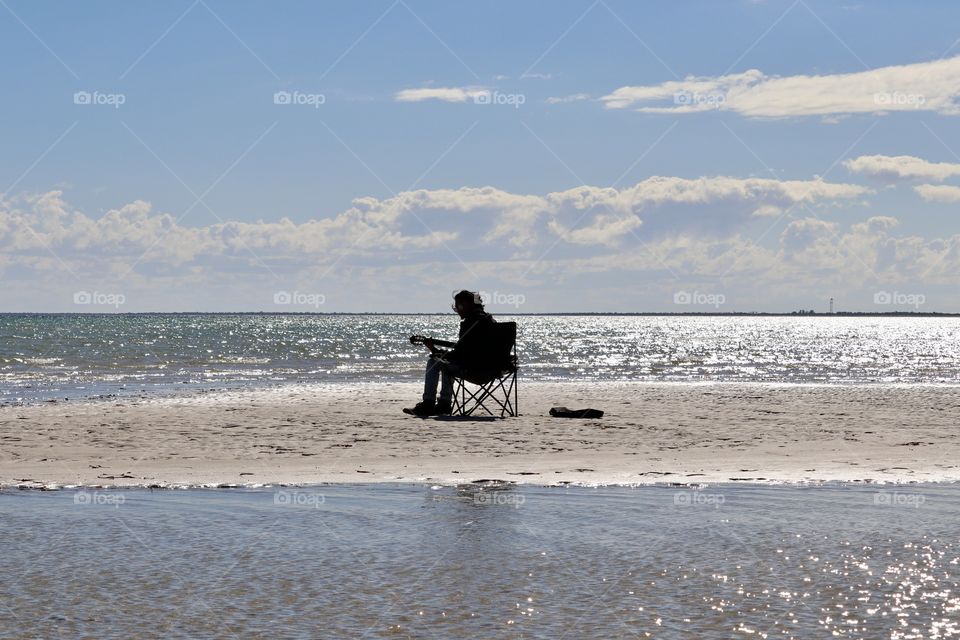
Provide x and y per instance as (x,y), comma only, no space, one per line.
(418,339)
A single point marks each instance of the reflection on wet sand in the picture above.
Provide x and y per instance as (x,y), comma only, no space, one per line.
(482,559)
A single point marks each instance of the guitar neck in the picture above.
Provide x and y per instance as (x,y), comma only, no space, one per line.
(438,343)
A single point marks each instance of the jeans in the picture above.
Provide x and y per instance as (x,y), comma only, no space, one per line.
(438,370)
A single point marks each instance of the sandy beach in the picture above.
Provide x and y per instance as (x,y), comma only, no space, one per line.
(651,433)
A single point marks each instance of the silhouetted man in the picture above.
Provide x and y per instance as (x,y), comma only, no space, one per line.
(471,352)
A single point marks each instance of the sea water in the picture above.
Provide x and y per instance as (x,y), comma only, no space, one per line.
(484,560)
(46,357)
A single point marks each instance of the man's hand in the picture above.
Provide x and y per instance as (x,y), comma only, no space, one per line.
(434,349)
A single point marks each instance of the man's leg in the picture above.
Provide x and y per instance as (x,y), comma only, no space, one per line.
(446,383)
(432,378)
(450,369)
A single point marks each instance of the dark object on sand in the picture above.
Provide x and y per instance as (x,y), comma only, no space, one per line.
(563,412)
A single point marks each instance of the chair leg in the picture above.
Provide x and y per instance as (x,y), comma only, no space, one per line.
(476,398)
(488,391)
(491,392)
(464,398)
(467,401)
(510,397)
(459,397)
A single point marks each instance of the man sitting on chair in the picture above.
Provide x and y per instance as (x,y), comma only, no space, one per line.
(470,353)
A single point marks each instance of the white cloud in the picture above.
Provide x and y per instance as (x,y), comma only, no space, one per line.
(444,94)
(588,209)
(895,168)
(576,97)
(416,239)
(811,258)
(938,192)
(925,86)
(760,190)
(605,229)
(411,221)
(36,224)
(807,233)
(768,211)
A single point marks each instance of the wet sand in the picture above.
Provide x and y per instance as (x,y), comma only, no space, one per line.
(482,561)
(651,433)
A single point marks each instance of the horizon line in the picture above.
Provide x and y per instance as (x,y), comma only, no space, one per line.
(798,313)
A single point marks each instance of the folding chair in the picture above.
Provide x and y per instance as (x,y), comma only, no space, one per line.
(498,385)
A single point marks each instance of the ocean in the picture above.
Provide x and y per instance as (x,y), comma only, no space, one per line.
(485,558)
(76,356)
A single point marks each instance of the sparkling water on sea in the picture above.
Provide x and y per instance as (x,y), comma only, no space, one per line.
(482,561)
(78,355)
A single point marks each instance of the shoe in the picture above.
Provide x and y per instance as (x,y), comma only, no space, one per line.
(444,408)
(423,409)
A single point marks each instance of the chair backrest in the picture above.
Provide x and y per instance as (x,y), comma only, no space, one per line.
(505,334)
(500,357)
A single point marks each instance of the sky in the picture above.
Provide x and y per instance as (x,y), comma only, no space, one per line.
(608,155)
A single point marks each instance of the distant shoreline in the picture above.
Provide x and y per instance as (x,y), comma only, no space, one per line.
(760,314)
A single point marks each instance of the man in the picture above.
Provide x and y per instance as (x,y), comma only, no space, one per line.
(471,353)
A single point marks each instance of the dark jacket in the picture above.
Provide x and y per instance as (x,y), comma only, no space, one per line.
(473,349)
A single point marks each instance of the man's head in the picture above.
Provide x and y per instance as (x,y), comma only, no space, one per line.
(466,302)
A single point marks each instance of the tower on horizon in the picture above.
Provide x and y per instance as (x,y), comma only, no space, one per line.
(831,305)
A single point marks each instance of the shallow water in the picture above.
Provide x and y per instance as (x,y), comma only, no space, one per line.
(78,356)
(419,562)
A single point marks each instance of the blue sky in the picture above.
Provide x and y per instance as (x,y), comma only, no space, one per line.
(761,155)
